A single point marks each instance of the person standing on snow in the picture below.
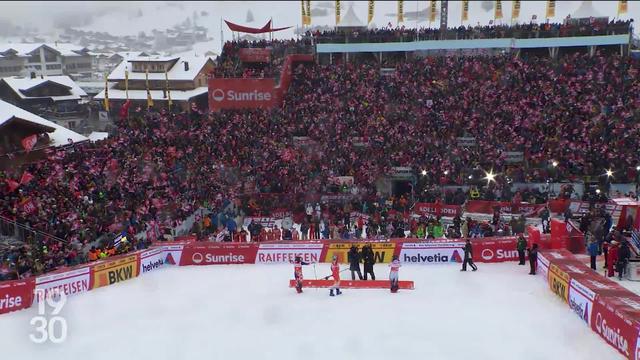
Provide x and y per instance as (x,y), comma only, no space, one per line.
(533,259)
(468,257)
(521,246)
(612,258)
(369,259)
(335,273)
(354,262)
(624,253)
(393,273)
(297,273)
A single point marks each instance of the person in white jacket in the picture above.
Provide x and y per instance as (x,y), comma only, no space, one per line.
(393,273)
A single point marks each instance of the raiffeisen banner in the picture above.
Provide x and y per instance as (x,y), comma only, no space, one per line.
(242,93)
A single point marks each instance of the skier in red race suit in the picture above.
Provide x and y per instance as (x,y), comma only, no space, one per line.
(297,273)
(335,273)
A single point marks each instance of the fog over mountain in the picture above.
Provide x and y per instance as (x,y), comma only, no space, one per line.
(49,19)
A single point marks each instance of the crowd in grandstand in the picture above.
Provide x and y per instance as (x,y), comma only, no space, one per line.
(580,112)
(518,31)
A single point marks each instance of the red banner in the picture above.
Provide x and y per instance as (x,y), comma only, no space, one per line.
(255,55)
(16,295)
(437,209)
(242,93)
(610,320)
(491,251)
(218,254)
(488,207)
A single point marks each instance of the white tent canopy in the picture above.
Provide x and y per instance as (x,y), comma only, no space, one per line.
(585,11)
(350,20)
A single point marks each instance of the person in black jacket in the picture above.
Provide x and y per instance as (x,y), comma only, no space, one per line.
(623,259)
(468,257)
(354,262)
(533,258)
(369,259)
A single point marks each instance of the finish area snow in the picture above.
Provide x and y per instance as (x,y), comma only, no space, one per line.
(248,312)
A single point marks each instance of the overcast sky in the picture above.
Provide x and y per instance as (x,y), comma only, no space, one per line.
(120,18)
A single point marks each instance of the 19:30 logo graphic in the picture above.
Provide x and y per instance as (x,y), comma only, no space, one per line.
(52,329)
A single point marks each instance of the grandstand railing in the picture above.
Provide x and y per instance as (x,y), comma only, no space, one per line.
(12,231)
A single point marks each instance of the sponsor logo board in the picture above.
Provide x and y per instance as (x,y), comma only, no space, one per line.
(150,260)
(581,300)
(68,282)
(15,295)
(242,93)
(115,271)
(219,254)
(431,253)
(559,282)
(286,253)
(383,252)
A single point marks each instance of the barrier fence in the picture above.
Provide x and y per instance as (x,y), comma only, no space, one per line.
(19,294)
(609,309)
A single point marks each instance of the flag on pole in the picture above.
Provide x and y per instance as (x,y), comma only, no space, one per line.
(126,83)
(622,7)
(498,13)
(149,98)
(166,78)
(308,10)
(121,238)
(551,8)
(432,14)
(106,92)
(400,11)
(304,13)
(515,9)
(337,12)
(465,10)
(370,11)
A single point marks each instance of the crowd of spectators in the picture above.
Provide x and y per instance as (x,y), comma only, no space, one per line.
(585,27)
(349,120)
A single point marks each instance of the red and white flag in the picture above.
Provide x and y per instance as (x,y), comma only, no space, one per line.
(26,177)
(12,184)
(29,142)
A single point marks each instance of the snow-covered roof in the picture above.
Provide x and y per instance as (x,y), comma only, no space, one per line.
(19,84)
(98,135)
(156,95)
(350,19)
(586,10)
(24,49)
(177,72)
(130,54)
(59,136)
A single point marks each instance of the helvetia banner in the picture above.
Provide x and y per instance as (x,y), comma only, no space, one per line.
(70,282)
(383,252)
(286,253)
(242,93)
(115,271)
(431,253)
(150,260)
(219,254)
(581,299)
